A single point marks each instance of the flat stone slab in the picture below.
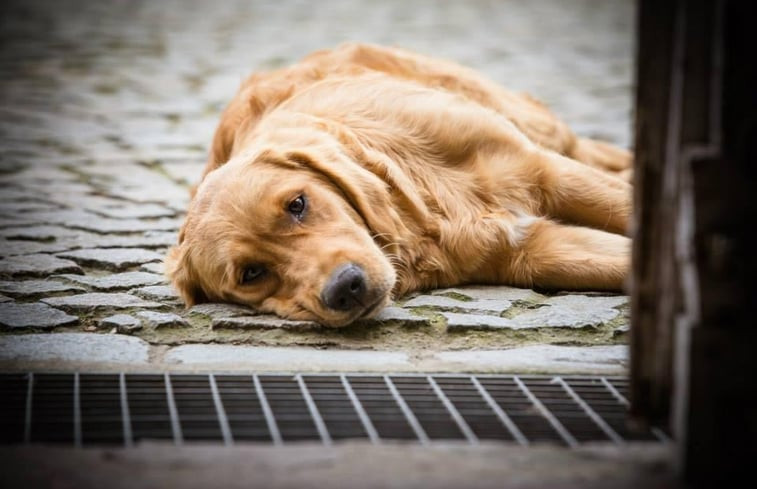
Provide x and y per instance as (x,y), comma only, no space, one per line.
(38,265)
(285,359)
(38,233)
(157,293)
(150,239)
(35,315)
(607,360)
(572,311)
(261,322)
(221,310)
(136,211)
(162,319)
(80,348)
(443,464)
(445,303)
(89,221)
(456,320)
(393,314)
(125,280)
(23,247)
(155,267)
(112,258)
(26,288)
(124,323)
(568,311)
(99,300)
(492,292)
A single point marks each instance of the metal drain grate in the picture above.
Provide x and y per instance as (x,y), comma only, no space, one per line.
(120,409)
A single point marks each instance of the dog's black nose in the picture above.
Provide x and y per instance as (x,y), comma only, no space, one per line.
(346,289)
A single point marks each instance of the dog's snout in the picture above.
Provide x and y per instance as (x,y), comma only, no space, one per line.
(346,289)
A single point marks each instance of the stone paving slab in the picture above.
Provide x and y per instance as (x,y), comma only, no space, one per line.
(108,112)
(74,348)
(37,265)
(119,352)
(123,323)
(272,359)
(115,259)
(116,281)
(26,288)
(99,300)
(351,464)
(161,293)
(162,319)
(34,315)
(606,360)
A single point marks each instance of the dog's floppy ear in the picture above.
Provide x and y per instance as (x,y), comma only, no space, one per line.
(179,269)
(257,96)
(366,192)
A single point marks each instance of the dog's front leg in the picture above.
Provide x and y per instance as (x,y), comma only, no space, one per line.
(552,255)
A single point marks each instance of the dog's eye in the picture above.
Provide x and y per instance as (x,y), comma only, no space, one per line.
(298,206)
(252,273)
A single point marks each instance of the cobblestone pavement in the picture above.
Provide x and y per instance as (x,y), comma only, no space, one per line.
(106,112)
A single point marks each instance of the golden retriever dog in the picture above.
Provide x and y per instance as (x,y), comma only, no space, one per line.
(363,173)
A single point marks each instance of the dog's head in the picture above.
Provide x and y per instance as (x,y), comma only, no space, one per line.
(290,233)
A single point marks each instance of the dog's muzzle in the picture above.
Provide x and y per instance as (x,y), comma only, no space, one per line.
(346,289)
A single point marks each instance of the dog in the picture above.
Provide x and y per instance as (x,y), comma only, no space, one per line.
(363,173)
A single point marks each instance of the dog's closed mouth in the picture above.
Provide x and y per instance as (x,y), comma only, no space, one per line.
(372,309)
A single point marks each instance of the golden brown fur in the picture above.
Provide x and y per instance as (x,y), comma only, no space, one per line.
(417,173)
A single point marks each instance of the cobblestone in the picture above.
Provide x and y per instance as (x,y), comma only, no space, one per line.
(261,322)
(543,358)
(98,301)
(397,314)
(112,258)
(457,321)
(123,323)
(572,311)
(162,319)
(20,247)
(486,293)
(108,112)
(444,303)
(74,348)
(163,293)
(33,316)
(37,265)
(26,288)
(117,281)
(216,310)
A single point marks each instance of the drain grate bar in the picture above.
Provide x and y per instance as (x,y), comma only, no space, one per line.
(657,432)
(28,409)
(503,417)
(370,430)
(178,437)
(273,427)
(223,420)
(316,415)
(620,397)
(589,411)
(420,433)
(125,415)
(84,409)
(564,433)
(77,411)
(461,424)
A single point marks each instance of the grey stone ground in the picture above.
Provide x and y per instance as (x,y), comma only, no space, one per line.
(106,112)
